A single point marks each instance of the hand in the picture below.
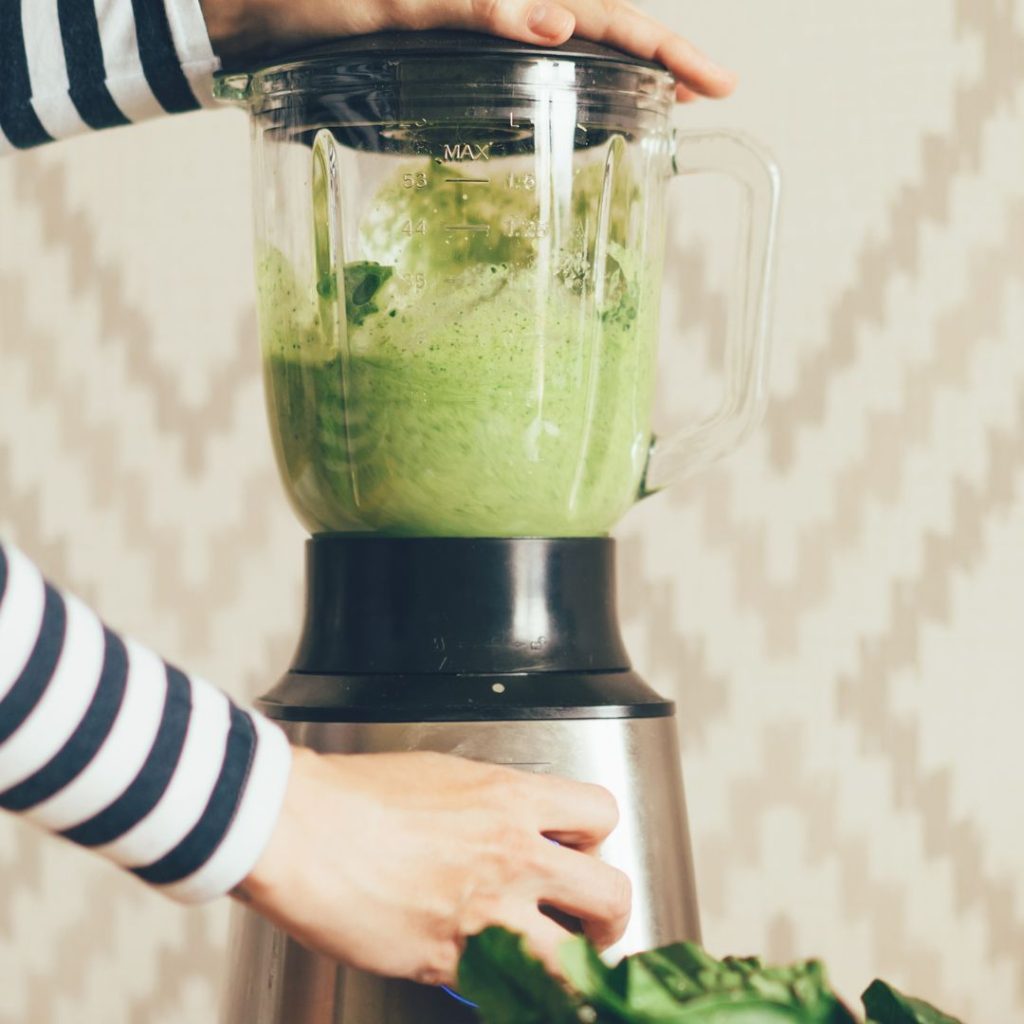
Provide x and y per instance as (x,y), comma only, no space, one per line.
(246,26)
(388,862)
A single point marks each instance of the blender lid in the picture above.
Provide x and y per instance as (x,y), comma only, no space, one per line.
(382,45)
(355,115)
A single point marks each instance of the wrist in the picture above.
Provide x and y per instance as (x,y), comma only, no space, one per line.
(270,874)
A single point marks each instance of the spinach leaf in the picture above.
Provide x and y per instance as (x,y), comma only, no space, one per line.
(363,280)
(684,983)
(887,1005)
(676,984)
(603,987)
(509,985)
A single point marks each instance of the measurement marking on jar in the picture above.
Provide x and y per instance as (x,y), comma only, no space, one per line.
(467,151)
(468,181)
(481,228)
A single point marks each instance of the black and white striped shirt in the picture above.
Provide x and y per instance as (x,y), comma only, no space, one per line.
(100,740)
(67,66)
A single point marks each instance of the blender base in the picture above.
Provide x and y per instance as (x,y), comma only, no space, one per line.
(500,650)
(274,980)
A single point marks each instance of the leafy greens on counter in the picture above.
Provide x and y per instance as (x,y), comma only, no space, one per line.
(887,1006)
(677,984)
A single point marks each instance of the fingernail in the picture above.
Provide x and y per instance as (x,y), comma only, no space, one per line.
(550,21)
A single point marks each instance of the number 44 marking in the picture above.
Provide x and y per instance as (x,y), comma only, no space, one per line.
(414,227)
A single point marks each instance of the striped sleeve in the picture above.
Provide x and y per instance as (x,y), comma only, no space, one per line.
(104,743)
(67,66)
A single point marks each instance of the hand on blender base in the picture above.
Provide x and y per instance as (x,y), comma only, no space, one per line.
(388,862)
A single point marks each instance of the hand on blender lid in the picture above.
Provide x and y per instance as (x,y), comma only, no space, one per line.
(241,27)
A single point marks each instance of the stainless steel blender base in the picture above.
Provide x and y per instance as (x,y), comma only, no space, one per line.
(276,981)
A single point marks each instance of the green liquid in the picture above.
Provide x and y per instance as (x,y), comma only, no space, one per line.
(493,402)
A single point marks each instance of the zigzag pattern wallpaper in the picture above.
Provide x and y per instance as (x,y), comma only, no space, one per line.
(837,608)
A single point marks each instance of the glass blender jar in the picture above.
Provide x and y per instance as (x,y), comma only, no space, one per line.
(459,263)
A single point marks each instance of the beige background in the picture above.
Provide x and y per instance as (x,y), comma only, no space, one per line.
(838,609)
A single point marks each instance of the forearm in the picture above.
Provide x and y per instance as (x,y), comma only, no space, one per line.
(104,743)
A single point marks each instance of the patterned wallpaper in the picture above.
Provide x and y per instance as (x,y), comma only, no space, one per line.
(837,609)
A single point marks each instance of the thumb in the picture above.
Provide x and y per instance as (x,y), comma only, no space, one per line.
(529,21)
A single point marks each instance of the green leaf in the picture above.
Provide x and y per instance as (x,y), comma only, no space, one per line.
(656,986)
(362,283)
(887,1005)
(509,985)
(677,984)
(601,986)
(730,991)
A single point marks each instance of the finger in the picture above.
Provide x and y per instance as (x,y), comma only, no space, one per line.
(685,95)
(597,893)
(530,21)
(577,814)
(624,26)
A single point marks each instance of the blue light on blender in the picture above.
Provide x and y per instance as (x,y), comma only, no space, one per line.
(459,999)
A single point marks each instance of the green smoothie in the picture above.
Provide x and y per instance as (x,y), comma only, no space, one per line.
(501,397)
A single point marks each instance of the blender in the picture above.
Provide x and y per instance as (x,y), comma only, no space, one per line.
(459,258)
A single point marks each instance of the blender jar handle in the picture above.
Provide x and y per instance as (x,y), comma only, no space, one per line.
(746,356)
